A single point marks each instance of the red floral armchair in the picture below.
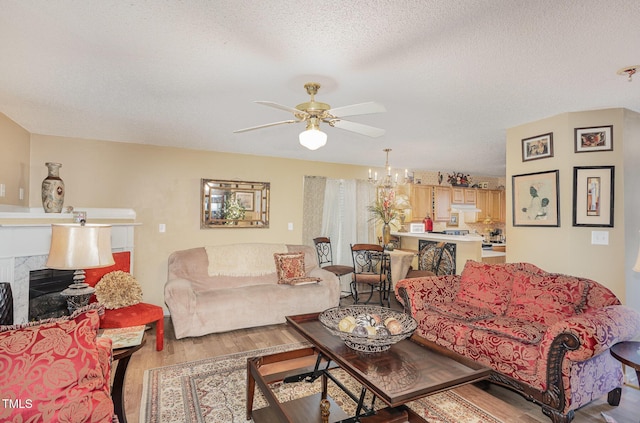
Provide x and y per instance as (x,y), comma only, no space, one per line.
(546,336)
(56,371)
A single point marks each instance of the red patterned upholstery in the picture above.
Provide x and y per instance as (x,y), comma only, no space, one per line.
(135,315)
(546,335)
(56,371)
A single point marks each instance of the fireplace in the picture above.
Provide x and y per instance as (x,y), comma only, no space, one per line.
(45,286)
(24,246)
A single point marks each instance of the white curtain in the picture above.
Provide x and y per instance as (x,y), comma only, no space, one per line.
(345,218)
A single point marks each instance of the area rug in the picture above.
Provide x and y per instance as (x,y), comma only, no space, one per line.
(213,390)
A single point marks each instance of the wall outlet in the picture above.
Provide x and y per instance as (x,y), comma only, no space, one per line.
(162,228)
(290,226)
(3,191)
(599,238)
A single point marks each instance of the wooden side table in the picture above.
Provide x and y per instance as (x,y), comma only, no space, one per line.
(122,355)
(628,353)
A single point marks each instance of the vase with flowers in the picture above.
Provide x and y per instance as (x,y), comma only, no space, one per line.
(458,179)
(386,211)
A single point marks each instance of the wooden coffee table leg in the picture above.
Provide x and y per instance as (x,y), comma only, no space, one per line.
(251,385)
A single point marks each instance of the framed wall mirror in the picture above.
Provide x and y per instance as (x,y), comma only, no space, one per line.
(234,204)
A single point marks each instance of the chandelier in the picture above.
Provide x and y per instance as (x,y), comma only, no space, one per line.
(389,181)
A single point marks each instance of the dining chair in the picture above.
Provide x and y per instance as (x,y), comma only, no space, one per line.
(325,258)
(370,268)
(436,258)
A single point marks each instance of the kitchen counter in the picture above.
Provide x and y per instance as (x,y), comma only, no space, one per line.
(467,247)
(440,237)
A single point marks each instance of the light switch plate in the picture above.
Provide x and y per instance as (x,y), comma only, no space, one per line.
(599,238)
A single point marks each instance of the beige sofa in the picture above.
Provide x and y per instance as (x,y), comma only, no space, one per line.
(201,304)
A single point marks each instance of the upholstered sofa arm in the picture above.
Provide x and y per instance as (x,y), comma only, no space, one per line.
(428,289)
(180,296)
(596,331)
(330,279)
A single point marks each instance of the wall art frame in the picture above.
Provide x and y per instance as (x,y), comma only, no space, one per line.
(593,196)
(227,204)
(594,138)
(538,147)
(536,199)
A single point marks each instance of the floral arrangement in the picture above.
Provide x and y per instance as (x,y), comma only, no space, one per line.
(385,208)
(118,289)
(458,178)
(233,210)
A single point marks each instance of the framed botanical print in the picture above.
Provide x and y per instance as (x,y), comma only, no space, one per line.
(593,196)
(535,199)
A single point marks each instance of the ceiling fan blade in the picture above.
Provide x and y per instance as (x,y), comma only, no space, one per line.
(358,109)
(357,127)
(266,125)
(280,106)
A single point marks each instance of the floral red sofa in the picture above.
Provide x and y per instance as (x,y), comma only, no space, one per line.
(56,371)
(546,336)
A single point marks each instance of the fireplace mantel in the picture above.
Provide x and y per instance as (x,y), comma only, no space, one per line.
(25,237)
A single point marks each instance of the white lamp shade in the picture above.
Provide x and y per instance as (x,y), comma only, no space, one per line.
(313,139)
(75,246)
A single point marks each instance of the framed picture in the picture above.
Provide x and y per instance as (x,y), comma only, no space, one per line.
(535,199)
(593,196)
(245,199)
(538,147)
(454,218)
(595,138)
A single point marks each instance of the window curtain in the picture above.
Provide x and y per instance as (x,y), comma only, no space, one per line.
(337,208)
(312,208)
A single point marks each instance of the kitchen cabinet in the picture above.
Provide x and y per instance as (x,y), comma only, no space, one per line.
(497,205)
(491,204)
(441,204)
(463,195)
(421,200)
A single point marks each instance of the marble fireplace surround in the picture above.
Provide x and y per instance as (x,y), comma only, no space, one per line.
(25,237)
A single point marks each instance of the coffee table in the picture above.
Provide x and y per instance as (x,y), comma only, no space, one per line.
(409,370)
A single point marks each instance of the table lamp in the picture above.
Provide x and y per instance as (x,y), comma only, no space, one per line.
(77,247)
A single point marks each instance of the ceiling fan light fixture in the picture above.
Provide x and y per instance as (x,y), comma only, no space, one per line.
(313,139)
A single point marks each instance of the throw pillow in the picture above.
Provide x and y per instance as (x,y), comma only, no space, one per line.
(118,289)
(290,269)
(546,299)
(486,286)
(52,371)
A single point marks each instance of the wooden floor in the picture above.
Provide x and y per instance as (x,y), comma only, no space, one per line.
(189,349)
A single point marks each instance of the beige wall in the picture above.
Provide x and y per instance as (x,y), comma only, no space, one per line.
(14,162)
(568,249)
(163,186)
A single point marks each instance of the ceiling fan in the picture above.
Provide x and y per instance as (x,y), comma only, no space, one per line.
(314,112)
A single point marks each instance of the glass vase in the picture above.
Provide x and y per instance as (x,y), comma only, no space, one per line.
(386,234)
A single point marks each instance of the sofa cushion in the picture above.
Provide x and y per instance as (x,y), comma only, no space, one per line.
(521,330)
(486,286)
(54,369)
(546,299)
(460,310)
(290,269)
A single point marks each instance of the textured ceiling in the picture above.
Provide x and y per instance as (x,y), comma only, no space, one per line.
(453,75)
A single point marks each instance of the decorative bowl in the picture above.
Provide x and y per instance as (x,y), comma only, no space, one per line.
(369,343)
